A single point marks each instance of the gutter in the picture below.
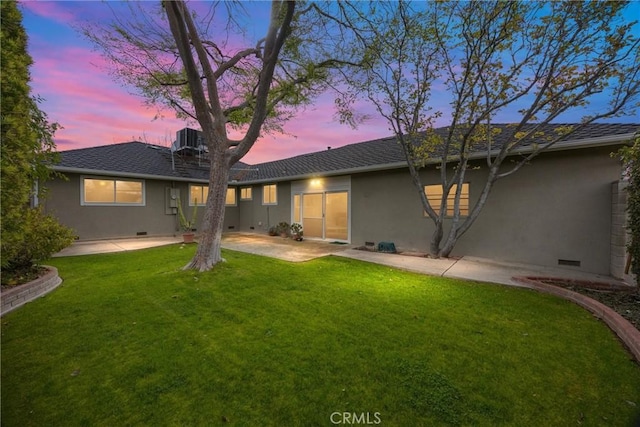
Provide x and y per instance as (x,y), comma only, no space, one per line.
(124,174)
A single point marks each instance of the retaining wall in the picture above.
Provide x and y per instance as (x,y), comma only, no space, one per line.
(20,295)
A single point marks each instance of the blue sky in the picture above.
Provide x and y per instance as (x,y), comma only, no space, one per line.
(95,110)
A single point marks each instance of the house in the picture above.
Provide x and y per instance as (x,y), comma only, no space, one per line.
(564,208)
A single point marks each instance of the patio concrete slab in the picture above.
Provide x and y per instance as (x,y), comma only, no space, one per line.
(258,244)
(280,247)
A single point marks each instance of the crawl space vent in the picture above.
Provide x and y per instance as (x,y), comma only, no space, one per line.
(569,262)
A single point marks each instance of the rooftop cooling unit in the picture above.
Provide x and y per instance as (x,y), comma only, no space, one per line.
(188,138)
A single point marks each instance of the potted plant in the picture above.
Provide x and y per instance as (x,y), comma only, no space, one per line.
(296,231)
(273,231)
(283,229)
(188,226)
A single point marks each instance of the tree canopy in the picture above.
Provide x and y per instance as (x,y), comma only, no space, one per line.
(204,65)
(27,150)
(474,63)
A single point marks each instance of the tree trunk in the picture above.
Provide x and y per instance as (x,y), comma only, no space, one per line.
(209,253)
(436,238)
(448,246)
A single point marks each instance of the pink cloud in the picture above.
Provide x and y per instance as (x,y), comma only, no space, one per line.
(50,10)
(96,110)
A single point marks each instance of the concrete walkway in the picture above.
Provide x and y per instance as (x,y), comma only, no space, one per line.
(471,268)
(91,247)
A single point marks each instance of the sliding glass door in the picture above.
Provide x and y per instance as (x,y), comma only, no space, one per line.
(324,215)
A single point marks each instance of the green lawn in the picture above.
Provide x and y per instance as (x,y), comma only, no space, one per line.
(130,339)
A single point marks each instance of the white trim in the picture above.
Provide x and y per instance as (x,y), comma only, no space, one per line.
(111,178)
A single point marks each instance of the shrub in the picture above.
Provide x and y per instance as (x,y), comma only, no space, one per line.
(283,228)
(631,157)
(42,236)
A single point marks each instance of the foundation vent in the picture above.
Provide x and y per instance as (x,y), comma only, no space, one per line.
(141,233)
(569,262)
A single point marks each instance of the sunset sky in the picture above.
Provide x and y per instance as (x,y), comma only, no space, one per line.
(94,109)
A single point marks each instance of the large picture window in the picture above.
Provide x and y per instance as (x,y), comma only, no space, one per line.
(109,191)
(270,194)
(434,195)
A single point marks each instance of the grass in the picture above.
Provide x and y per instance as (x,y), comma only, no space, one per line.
(130,339)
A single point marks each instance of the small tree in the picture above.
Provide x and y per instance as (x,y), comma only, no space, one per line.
(533,61)
(28,236)
(203,68)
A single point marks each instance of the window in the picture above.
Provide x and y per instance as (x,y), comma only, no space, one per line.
(296,208)
(230,200)
(198,195)
(434,195)
(269,195)
(245,193)
(109,191)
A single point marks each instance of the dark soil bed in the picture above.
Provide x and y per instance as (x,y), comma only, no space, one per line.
(625,300)
(11,279)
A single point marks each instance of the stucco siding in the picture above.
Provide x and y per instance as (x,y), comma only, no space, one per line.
(556,208)
(231,219)
(256,217)
(385,207)
(99,222)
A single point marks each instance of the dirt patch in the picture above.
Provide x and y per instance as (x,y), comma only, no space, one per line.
(624,300)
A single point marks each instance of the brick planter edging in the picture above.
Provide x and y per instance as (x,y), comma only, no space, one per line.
(618,324)
(20,295)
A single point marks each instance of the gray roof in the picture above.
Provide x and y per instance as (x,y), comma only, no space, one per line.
(140,159)
(136,159)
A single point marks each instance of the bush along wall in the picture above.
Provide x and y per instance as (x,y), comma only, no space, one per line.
(631,158)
